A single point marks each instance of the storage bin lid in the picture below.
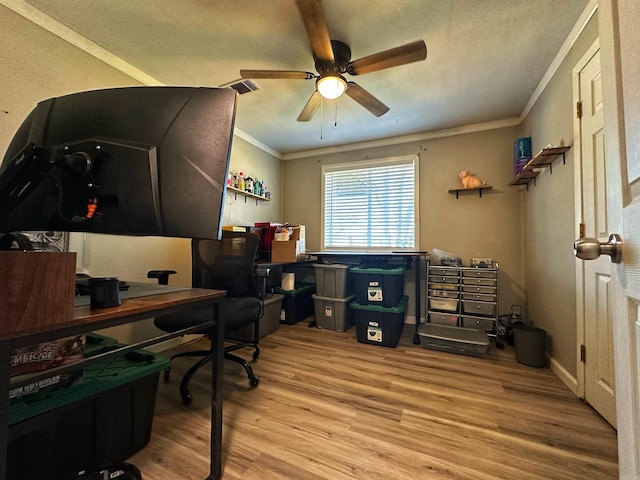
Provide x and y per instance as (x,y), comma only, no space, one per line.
(336,266)
(273,298)
(377,308)
(470,336)
(380,271)
(333,299)
(98,377)
(300,288)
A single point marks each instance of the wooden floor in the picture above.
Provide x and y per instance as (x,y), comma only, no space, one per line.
(328,407)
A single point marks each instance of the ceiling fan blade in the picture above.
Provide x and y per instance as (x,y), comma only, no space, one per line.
(316,25)
(408,53)
(310,108)
(365,99)
(291,74)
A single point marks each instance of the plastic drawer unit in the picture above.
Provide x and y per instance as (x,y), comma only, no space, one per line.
(479,298)
(443,295)
(463,296)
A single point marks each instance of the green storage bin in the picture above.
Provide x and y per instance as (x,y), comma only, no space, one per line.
(103,418)
(377,325)
(379,286)
(297,303)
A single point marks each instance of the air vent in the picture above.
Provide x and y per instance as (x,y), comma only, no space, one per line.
(245,86)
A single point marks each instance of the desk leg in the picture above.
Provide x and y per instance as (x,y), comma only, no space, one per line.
(5,358)
(416,273)
(217,368)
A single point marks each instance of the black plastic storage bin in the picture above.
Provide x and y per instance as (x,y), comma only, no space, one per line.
(297,304)
(378,325)
(379,286)
(103,418)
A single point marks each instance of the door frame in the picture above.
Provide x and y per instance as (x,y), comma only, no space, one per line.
(577,163)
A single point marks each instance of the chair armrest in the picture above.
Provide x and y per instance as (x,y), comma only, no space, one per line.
(161,275)
(262,272)
(261,285)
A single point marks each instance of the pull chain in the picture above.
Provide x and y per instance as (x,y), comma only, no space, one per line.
(321,116)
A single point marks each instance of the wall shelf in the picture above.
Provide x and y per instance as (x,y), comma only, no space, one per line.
(457,191)
(544,158)
(524,178)
(237,191)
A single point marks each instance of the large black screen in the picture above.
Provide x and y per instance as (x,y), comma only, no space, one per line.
(135,161)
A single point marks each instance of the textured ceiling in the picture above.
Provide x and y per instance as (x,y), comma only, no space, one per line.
(485,57)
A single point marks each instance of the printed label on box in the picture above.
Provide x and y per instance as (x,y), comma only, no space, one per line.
(375,294)
(374,333)
(328,311)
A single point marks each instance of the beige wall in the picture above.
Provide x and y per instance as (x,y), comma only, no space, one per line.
(254,162)
(549,223)
(468,227)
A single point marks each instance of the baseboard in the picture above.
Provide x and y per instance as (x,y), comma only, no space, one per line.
(568,379)
(411,320)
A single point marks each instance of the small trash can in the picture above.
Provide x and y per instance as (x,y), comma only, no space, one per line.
(530,344)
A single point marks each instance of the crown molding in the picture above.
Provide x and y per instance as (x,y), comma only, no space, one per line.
(588,12)
(418,137)
(257,143)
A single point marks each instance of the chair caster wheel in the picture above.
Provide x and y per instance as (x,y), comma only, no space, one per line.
(167,372)
(254,382)
(186,399)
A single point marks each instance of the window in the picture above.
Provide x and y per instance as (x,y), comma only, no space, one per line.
(371,205)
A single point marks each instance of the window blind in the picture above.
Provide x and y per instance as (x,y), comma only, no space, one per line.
(371,205)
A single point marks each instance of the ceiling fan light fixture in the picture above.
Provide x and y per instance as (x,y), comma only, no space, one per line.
(331,86)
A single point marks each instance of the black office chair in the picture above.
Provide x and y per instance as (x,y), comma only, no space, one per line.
(226,264)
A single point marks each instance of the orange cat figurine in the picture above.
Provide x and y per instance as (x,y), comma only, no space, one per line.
(469,181)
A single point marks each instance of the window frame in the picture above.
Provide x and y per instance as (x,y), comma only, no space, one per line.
(368,164)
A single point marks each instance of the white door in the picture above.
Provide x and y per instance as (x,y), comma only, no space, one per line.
(619,25)
(595,373)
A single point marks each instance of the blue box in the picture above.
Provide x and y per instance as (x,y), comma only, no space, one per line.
(521,153)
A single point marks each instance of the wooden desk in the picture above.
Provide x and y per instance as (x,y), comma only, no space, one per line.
(132,310)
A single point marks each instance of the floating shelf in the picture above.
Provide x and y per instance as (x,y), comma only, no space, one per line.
(457,191)
(237,191)
(524,178)
(544,158)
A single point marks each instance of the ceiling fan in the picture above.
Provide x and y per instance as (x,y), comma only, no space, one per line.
(333,59)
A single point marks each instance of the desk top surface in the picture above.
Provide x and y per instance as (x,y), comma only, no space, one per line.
(395,253)
(84,316)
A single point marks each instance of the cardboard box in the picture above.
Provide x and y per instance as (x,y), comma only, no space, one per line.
(42,356)
(292,250)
